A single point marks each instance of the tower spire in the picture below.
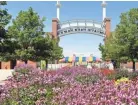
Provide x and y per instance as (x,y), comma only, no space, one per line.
(104,9)
(58,5)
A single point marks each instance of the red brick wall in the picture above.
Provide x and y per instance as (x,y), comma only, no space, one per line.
(54,27)
(34,64)
(107,27)
(19,62)
(28,62)
(129,65)
(0,65)
(6,65)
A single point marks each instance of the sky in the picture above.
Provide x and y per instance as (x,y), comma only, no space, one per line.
(85,44)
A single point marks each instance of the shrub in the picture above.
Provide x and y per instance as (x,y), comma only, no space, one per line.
(132,75)
(87,79)
(111,76)
(123,79)
(107,72)
(71,86)
(121,73)
(117,75)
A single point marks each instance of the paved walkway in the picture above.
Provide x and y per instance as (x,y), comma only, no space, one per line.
(4,74)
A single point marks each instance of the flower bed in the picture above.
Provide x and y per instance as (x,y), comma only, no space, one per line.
(107,72)
(67,86)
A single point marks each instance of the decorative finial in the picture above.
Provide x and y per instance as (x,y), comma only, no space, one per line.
(104,4)
(58,8)
(104,9)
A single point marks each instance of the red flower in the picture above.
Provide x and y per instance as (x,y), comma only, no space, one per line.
(107,72)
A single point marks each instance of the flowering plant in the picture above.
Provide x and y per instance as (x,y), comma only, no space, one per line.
(107,72)
(66,86)
(123,79)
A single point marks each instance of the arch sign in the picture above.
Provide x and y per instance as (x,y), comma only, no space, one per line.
(60,29)
(81,26)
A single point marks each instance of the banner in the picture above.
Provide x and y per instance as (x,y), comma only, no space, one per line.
(43,64)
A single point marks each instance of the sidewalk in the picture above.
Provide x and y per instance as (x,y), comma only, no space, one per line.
(4,74)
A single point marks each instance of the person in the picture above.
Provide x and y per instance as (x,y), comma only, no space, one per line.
(110,65)
(102,65)
(114,63)
(89,66)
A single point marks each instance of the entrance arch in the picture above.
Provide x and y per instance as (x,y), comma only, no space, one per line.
(80,26)
(60,28)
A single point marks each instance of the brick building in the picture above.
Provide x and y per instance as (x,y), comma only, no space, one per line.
(12,64)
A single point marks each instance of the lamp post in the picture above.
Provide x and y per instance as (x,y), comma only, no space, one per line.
(74,57)
(91,55)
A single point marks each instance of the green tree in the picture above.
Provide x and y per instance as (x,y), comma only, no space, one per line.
(42,48)
(57,52)
(27,27)
(107,48)
(103,52)
(46,48)
(123,45)
(32,43)
(5,18)
(127,35)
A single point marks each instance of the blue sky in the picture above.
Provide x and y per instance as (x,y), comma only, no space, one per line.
(76,43)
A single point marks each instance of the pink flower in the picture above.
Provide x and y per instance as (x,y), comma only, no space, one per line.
(42,91)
